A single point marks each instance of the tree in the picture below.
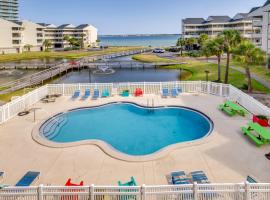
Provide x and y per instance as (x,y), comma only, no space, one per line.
(215,47)
(202,39)
(28,47)
(67,38)
(82,40)
(206,50)
(248,54)
(181,42)
(47,44)
(231,38)
(190,42)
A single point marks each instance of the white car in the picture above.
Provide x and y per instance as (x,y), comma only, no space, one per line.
(158,50)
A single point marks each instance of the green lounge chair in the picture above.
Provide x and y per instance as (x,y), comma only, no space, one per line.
(132,182)
(257,134)
(105,93)
(125,93)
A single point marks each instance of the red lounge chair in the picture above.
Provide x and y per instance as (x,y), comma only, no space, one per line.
(138,92)
(70,184)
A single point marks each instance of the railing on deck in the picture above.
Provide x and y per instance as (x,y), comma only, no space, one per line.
(222,191)
(12,108)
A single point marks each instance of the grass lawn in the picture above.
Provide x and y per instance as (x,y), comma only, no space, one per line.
(149,58)
(195,70)
(259,70)
(62,54)
(7,97)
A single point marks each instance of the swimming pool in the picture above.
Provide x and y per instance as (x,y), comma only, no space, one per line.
(128,128)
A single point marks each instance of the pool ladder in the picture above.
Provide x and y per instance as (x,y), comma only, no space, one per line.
(150,106)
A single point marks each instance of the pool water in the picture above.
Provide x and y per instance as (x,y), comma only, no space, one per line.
(129,128)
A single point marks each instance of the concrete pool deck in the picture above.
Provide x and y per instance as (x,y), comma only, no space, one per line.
(226,156)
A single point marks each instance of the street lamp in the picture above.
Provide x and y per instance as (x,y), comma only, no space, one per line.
(206,74)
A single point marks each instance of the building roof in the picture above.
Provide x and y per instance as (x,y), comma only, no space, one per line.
(253,9)
(63,26)
(240,16)
(193,21)
(47,25)
(266,3)
(82,26)
(218,19)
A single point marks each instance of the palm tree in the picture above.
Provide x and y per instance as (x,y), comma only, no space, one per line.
(206,50)
(248,54)
(181,42)
(202,39)
(47,44)
(231,39)
(190,42)
(215,47)
(67,38)
(82,40)
(28,47)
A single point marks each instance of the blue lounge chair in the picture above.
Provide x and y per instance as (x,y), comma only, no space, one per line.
(199,177)
(96,94)
(251,179)
(179,178)
(2,174)
(105,93)
(165,92)
(86,94)
(28,179)
(76,94)
(174,92)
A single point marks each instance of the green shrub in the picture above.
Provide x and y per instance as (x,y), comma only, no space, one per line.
(195,53)
(244,86)
(262,117)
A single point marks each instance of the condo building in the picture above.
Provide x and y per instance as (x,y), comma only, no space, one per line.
(213,25)
(261,22)
(9,10)
(86,32)
(16,37)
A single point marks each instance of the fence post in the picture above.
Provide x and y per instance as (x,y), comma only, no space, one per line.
(143,197)
(221,89)
(208,87)
(63,90)
(91,192)
(144,87)
(247,190)
(195,191)
(40,190)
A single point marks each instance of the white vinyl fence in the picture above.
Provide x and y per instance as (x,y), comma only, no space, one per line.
(225,191)
(22,103)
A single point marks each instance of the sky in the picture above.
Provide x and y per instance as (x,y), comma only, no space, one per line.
(130,16)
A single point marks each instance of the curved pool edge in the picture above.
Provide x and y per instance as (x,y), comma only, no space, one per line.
(114,153)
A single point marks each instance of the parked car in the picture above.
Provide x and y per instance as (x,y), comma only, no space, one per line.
(174,49)
(157,50)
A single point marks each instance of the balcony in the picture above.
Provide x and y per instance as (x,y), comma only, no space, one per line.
(256,35)
(257,23)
